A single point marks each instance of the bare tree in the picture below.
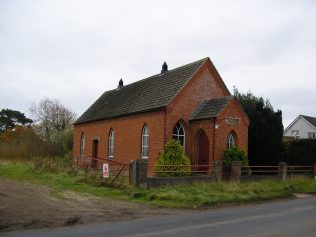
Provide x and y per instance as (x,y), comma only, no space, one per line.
(51,119)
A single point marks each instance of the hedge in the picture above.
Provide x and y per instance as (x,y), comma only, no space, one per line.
(300,152)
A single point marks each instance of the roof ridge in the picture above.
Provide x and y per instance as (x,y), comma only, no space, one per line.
(200,107)
(158,74)
(211,108)
(224,97)
(307,116)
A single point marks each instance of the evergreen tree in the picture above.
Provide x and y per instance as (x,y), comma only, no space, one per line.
(9,119)
(265,129)
(173,161)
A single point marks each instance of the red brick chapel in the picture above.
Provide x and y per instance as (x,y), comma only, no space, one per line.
(190,103)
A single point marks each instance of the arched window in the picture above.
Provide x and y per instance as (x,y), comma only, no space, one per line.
(230,141)
(179,134)
(145,142)
(111,144)
(82,142)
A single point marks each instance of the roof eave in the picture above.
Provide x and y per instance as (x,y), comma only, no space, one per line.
(291,124)
(242,108)
(302,116)
(122,115)
(204,118)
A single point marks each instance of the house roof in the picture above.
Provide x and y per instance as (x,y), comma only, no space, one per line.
(211,108)
(145,95)
(311,120)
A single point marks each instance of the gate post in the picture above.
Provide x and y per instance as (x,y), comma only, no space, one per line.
(314,170)
(236,171)
(217,170)
(282,170)
(138,172)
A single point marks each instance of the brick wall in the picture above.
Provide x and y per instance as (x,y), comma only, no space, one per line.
(240,130)
(127,132)
(204,85)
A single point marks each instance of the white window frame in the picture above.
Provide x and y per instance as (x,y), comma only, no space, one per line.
(230,141)
(145,142)
(82,144)
(177,135)
(295,133)
(111,144)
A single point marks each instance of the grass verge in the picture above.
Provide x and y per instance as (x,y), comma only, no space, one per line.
(181,196)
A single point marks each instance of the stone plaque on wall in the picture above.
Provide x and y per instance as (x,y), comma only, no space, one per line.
(232,120)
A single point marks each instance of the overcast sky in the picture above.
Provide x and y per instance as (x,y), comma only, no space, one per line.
(73,51)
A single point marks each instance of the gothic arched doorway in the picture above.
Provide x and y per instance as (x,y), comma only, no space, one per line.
(203,153)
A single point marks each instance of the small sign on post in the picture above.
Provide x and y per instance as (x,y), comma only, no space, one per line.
(106,171)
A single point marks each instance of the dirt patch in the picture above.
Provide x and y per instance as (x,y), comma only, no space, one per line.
(302,195)
(29,206)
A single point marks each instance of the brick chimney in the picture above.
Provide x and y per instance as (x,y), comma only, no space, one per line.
(164,68)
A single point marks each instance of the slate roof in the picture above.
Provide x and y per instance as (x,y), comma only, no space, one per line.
(311,120)
(211,108)
(149,94)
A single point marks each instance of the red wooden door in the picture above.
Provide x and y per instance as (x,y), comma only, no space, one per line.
(203,159)
(94,153)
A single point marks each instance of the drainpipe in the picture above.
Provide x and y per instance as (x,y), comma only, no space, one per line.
(214,128)
(164,124)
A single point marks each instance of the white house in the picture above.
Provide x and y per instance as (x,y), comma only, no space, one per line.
(302,127)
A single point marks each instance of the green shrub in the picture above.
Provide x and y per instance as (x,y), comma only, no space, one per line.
(173,161)
(234,154)
(300,152)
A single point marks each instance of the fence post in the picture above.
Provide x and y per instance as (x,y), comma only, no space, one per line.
(282,171)
(132,172)
(138,172)
(217,170)
(314,170)
(236,171)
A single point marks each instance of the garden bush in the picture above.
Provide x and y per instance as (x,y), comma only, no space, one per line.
(173,161)
(234,154)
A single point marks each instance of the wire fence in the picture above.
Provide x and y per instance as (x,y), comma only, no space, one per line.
(300,169)
(178,170)
(266,170)
(117,169)
(273,170)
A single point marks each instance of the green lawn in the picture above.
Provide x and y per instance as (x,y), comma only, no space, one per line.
(181,196)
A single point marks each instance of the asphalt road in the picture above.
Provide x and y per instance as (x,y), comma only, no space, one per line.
(280,218)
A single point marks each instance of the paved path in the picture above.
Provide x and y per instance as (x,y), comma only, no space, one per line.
(281,218)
